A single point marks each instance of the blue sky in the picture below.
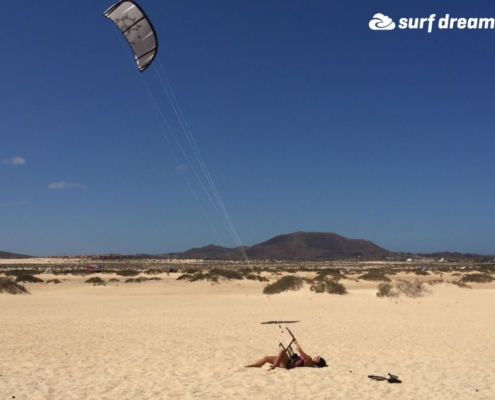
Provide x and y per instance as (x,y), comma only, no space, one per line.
(306,119)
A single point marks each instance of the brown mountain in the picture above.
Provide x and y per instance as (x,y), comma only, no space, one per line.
(315,245)
(5,254)
(298,246)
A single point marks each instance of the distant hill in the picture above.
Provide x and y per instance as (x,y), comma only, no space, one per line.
(5,254)
(315,245)
(211,251)
(298,246)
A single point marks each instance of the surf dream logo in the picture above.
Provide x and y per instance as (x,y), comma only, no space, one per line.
(381,22)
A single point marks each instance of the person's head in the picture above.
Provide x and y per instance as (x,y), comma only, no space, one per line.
(319,362)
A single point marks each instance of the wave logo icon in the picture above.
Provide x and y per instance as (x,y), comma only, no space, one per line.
(381,22)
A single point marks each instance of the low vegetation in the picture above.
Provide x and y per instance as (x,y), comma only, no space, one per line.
(27,279)
(55,281)
(477,278)
(375,275)
(96,281)
(289,282)
(8,285)
(20,272)
(127,272)
(332,273)
(329,286)
(216,274)
(154,271)
(401,287)
(142,279)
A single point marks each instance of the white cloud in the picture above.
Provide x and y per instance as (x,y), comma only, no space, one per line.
(181,169)
(65,185)
(14,161)
(381,22)
(16,203)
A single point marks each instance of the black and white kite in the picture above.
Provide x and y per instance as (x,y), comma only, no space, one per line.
(137,29)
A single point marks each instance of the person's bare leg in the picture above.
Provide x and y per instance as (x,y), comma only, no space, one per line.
(263,361)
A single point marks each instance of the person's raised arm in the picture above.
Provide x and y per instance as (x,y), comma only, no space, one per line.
(306,357)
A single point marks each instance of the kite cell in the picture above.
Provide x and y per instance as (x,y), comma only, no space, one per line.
(137,29)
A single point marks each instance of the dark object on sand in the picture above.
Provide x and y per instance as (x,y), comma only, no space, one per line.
(391,379)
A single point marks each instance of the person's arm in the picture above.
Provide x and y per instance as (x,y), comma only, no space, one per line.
(306,357)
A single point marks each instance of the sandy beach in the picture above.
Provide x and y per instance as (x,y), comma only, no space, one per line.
(171,339)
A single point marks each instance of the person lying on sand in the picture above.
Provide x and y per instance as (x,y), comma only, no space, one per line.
(282,360)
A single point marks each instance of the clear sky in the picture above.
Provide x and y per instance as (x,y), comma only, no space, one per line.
(306,119)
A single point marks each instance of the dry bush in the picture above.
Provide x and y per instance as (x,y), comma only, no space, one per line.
(19,272)
(114,280)
(401,287)
(154,271)
(27,279)
(477,278)
(96,281)
(376,275)
(254,277)
(7,285)
(289,282)
(332,273)
(82,272)
(328,286)
(55,281)
(127,272)
(142,279)
(212,276)
(226,273)
(421,272)
(385,289)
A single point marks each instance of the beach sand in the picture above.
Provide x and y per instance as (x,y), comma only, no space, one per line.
(173,339)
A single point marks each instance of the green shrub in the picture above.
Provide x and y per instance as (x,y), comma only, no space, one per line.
(254,277)
(328,286)
(127,272)
(376,275)
(7,285)
(82,272)
(226,273)
(114,280)
(421,272)
(55,281)
(477,278)
(333,273)
(289,282)
(96,281)
(28,279)
(212,276)
(154,271)
(19,272)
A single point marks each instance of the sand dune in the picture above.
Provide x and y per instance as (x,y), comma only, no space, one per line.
(177,340)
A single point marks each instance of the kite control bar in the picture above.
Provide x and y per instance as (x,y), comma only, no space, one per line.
(288,349)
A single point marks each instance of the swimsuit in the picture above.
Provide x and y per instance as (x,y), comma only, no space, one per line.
(295,358)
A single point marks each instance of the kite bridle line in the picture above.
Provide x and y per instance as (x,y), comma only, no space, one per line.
(158,112)
(219,206)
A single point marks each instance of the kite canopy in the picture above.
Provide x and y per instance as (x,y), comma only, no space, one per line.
(137,29)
